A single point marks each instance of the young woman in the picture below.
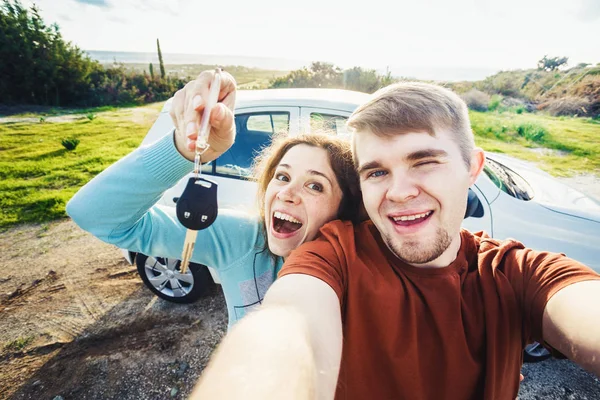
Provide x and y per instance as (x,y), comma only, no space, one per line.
(303,183)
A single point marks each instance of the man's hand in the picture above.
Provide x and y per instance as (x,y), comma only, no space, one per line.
(186,113)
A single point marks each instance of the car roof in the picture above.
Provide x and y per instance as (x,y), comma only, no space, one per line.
(335,99)
(338,99)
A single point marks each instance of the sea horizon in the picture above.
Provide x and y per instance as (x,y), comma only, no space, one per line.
(282,64)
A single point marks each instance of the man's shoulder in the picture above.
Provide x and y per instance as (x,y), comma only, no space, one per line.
(338,236)
(339,230)
(491,251)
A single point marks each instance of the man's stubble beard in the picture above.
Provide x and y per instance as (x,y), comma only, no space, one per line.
(420,253)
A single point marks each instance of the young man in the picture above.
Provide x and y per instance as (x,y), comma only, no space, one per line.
(408,305)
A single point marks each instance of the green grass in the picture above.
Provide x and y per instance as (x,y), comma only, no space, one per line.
(38,175)
(246,78)
(18,344)
(562,146)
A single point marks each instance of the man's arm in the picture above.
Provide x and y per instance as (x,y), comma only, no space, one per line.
(288,349)
(571,323)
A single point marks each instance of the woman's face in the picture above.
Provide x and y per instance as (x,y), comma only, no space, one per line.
(302,196)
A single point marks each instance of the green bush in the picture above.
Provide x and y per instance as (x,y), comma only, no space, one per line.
(44,69)
(476,100)
(91,116)
(532,132)
(495,103)
(326,75)
(18,344)
(70,144)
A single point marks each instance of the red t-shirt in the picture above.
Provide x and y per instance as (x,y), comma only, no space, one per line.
(438,333)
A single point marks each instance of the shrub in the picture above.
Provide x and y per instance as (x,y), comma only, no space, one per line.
(70,144)
(91,116)
(495,103)
(552,63)
(567,106)
(326,75)
(505,83)
(476,100)
(532,132)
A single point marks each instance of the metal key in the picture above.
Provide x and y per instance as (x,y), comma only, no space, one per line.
(188,249)
(197,207)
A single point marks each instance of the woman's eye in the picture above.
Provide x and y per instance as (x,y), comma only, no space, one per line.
(315,186)
(282,177)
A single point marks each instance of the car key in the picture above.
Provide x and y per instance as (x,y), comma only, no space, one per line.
(197,207)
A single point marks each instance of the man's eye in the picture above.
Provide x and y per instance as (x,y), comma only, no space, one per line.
(315,186)
(376,174)
(422,163)
(282,177)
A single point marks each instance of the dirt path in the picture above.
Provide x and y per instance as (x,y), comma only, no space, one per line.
(79,323)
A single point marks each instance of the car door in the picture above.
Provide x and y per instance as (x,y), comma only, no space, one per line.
(328,120)
(255,128)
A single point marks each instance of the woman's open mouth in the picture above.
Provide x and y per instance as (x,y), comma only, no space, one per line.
(285,223)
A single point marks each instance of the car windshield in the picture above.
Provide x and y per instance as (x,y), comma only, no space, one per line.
(508,180)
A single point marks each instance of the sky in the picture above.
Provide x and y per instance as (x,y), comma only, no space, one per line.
(501,35)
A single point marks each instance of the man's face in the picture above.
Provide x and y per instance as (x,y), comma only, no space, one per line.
(414,189)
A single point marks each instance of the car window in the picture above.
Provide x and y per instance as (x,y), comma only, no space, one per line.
(254,132)
(331,124)
(507,180)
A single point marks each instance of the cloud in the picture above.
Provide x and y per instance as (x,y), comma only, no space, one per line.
(64,17)
(590,10)
(117,19)
(99,3)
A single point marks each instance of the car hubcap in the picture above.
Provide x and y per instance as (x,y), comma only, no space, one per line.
(164,275)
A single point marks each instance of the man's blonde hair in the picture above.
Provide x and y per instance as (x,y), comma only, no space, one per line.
(415,107)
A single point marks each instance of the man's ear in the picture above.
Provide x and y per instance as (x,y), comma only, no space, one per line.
(477,163)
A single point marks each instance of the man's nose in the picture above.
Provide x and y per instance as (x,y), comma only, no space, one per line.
(289,194)
(403,188)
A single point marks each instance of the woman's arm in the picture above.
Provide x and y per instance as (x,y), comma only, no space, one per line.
(118,206)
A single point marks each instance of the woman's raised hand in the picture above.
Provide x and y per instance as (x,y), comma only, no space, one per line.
(186,113)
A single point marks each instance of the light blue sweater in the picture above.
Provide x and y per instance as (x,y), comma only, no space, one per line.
(119,207)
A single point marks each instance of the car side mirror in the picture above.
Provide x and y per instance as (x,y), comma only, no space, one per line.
(474,206)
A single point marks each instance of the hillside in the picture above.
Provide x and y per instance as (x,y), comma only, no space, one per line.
(574,91)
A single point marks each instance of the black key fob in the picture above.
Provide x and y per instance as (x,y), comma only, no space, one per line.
(197,207)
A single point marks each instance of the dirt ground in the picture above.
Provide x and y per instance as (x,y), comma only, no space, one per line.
(76,322)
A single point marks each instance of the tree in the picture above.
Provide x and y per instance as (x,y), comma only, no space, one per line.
(36,65)
(552,64)
(160,60)
(326,75)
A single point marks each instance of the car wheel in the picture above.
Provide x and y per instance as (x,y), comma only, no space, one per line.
(164,278)
(535,352)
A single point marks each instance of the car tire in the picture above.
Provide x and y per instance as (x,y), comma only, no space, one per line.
(535,352)
(162,276)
